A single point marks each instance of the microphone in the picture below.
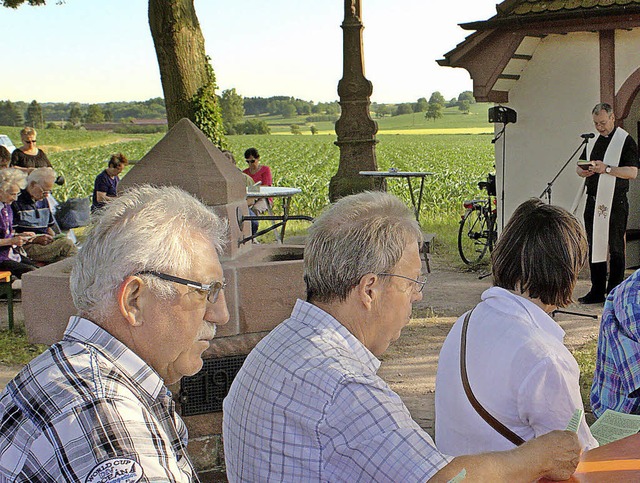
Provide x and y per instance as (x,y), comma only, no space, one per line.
(587,136)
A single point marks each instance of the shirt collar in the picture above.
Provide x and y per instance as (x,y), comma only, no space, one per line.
(128,362)
(517,305)
(317,318)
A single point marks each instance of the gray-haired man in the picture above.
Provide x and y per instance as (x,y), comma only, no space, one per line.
(148,287)
(307,404)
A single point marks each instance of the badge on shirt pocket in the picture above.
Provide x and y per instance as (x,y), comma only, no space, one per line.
(121,470)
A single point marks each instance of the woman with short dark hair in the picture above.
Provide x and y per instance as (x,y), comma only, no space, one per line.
(517,366)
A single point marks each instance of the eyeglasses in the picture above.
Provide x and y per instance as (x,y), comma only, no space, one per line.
(419,283)
(213,289)
(250,160)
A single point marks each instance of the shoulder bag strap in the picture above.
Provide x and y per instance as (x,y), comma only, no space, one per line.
(484,414)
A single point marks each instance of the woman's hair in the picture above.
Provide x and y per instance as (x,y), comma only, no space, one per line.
(118,159)
(360,234)
(251,152)
(40,175)
(5,156)
(12,176)
(540,252)
(28,131)
(146,228)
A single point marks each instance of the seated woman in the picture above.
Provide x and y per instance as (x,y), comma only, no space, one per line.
(518,368)
(28,156)
(258,172)
(11,182)
(105,187)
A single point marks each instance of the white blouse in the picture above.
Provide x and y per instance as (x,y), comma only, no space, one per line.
(519,370)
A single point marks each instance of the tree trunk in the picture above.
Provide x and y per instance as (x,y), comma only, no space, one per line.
(181,54)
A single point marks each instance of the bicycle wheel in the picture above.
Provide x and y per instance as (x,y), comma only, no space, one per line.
(473,237)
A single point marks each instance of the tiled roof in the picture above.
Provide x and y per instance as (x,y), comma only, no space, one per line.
(511,8)
(521,12)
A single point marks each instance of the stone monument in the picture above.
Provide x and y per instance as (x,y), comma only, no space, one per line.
(355,129)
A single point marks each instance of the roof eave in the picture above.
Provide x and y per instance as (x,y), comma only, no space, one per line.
(519,21)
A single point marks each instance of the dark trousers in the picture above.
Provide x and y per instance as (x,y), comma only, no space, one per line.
(17,268)
(617,229)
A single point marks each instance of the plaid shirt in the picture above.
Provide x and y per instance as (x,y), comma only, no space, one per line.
(616,381)
(307,405)
(88,410)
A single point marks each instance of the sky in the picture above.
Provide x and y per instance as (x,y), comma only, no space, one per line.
(95,51)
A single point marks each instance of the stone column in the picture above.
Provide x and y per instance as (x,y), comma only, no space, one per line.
(355,129)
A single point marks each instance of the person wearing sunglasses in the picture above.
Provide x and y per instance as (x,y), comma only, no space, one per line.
(260,174)
(28,156)
(308,405)
(149,289)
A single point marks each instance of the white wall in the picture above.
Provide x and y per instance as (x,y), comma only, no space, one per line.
(553,98)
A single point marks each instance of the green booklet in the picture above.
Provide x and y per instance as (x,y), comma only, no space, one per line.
(612,426)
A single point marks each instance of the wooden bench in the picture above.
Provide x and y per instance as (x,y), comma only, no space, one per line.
(426,249)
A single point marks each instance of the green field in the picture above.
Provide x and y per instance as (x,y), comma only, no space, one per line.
(308,162)
(452,119)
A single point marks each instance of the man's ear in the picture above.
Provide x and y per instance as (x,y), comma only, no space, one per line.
(368,289)
(130,300)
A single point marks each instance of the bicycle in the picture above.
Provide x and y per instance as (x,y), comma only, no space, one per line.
(478,230)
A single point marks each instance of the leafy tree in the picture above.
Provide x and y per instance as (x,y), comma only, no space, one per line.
(108,115)
(295,129)
(95,114)
(288,110)
(404,109)
(382,110)
(254,126)
(466,96)
(10,115)
(434,111)
(422,105)
(437,98)
(34,116)
(313,129)
(75,113)
(464,106)
(232,107)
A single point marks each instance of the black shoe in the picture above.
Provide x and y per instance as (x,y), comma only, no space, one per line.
(592,299)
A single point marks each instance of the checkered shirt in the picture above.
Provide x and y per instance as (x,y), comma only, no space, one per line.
(307,405)
(616,381)
(84,408)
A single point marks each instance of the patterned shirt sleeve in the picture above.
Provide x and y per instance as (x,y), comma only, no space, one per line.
(616,381)
(375,438)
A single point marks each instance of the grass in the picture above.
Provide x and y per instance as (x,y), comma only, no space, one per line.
(586,358)
(15,349)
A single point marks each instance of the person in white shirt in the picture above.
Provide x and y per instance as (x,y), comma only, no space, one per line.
(518,368)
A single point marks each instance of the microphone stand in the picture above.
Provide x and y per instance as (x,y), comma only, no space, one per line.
(547,190)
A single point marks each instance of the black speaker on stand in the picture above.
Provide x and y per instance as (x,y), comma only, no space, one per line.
(503,115)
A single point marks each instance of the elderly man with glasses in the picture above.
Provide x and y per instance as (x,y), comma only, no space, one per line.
(148,286)
(32,214)
(307,404)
